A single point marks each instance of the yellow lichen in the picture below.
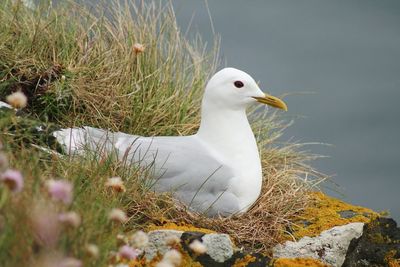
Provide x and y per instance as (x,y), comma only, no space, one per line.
(394,263)
(180,227)
(298,262)
(323,214)
(243,262)
(138,263)
(391,260)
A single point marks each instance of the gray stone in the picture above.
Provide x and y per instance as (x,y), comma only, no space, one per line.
(157,242)
(330,246)
(219,246)
(347,214)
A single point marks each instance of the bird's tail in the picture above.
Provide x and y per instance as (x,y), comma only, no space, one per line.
(81,140)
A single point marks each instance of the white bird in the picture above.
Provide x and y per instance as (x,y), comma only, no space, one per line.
(215,171)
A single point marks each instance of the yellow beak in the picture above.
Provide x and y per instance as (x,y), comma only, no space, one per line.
(272,101)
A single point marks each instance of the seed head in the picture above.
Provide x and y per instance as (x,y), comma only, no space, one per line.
(138,48)
(92,250)
(198,247)
(127,252)
(139,239)
(116,184)
(71,219)
(118,215)
(173,256)
(17,100)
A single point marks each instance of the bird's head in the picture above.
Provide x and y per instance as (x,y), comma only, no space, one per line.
(234,89)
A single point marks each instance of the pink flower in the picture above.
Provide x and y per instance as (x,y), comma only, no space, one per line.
(60,190)
(13,180)
(45,224)
(70,218)
(127,252)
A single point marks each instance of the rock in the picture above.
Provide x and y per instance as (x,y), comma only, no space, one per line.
(219,246)
(347,214)
(330,246)
(379,245)
(220,250)
(157,242)
(323,213)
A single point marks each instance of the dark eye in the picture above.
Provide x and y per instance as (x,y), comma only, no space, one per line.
(238,84)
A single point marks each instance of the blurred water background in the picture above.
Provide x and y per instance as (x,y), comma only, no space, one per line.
(347,53)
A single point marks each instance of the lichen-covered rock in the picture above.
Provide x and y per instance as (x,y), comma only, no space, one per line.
(219,246)
(379,245)
(158,242)
(325,212)
(330,246)
(220,250)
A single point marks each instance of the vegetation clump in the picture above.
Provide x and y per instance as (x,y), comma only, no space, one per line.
(125,67)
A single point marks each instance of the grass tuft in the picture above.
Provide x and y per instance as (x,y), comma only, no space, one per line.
(126,67)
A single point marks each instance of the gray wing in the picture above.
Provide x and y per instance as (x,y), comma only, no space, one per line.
(183,165)
(179,164)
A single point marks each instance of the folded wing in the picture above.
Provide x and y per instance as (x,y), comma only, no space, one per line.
(180,164)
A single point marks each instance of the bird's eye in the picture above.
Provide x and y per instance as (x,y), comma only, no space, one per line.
(238,84)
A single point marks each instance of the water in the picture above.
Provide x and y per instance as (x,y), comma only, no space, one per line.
(347,52)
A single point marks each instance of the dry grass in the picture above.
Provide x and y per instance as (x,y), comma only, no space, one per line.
(79,67)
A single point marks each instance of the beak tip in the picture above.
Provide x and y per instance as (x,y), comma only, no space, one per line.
(272,101)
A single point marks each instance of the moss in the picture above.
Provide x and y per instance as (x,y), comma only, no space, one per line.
(180,227)
(324,212)
(378,238)
(298,262)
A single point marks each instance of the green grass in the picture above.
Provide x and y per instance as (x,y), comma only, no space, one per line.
(78,67)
